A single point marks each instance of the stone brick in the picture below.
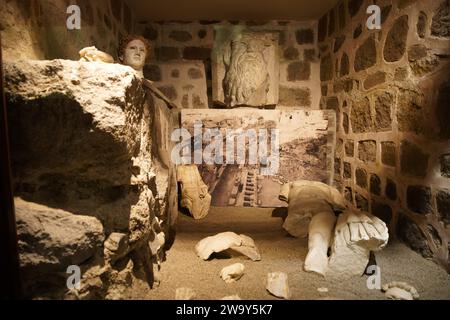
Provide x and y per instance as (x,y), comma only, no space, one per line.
(443,205)
(361,177)
(374,80)
(331,22)
(414,162)
(348,194)
(322,28)
(357,32)
(367,150)
(347,170)
(196,53)
(443,111)
(400,74)
(418,199)
(445,165)
(422,60)
(342,15)
(202,33)
(349,148)
(383,103)
(366,55)
(345,123)
(422,25)
(324,90)
(291,53)
(152,72)
(180,35)
(411,234)
(410,112)
(185,101)
(150,33)
(440,24)
(167,53)
(385,11)
(175,73)
(332,103)
(361,202)
(354,6)
(388,156)
(169,91)
(195,73)
(294,96)
(345,65)
(338,42)
(310,55)
(298,71)
(375,184)
(349,84)
(337,166)
(304,36)
(360,116)
(395,45)
(382,211)
(391,190)
(326,68)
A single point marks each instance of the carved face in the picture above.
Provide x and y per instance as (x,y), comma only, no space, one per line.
(247,71)
(135,54)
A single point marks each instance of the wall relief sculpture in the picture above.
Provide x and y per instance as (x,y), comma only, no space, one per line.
(245,68)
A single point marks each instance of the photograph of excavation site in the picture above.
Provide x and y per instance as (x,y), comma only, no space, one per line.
(201,150)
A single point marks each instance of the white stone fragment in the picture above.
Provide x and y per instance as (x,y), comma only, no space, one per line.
(277,284)
(232,273)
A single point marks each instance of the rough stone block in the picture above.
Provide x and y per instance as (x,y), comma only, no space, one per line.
(413,161)
(418,199)
(395,45)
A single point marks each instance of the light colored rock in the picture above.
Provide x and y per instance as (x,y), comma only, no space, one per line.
(277,284)
(233,297)
(92,54)
(232,273)
(400,291)
(227,240)
(356,234)
(52,239)
(185,294)
(194,192)
(245,69)
(322,290)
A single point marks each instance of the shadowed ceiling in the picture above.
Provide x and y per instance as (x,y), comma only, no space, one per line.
(186,10)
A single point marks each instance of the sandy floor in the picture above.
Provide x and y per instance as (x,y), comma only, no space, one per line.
(280,252)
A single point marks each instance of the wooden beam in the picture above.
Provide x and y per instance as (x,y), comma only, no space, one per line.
(10,287)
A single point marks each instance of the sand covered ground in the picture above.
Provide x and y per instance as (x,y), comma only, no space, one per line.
(280,252)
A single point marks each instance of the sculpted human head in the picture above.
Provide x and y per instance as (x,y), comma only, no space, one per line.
(133,52)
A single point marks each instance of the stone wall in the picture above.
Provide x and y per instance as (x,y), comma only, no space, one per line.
(299,66)
(390,89)
(36,29)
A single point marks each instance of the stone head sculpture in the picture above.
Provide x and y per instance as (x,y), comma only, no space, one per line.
(133,52)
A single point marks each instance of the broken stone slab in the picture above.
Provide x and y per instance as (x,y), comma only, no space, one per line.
(50,240)
(400,291)
(356,235)
(227,240)
(185,294)
(232,273)
(277,285)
